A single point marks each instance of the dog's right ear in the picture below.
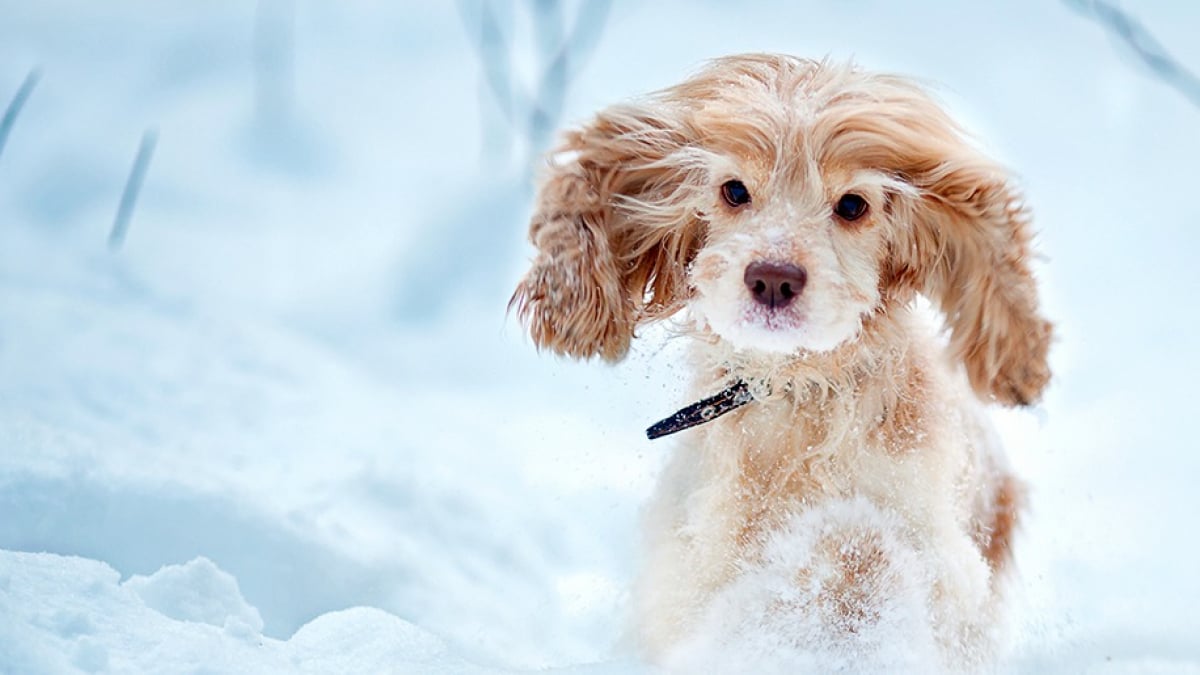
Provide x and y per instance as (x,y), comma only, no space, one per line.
(613,232)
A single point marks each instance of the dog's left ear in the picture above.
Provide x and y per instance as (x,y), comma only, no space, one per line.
(614,227)
(967,248)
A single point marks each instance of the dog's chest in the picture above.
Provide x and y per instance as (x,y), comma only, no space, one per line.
(774,458)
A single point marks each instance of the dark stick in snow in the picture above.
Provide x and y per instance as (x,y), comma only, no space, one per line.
(133,186)
(18,102)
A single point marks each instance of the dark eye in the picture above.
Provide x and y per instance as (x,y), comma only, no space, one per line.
(850,207)
(735,193)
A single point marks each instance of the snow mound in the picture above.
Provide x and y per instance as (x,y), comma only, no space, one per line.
(61,614)
(362,639)
(197,591)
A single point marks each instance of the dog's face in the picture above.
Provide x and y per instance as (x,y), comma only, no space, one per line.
(793,254)
(784,201)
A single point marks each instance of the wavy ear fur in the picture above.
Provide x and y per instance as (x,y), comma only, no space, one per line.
(613,232)
(968,250)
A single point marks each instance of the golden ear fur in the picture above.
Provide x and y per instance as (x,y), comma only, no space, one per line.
(613,233)
(967,247)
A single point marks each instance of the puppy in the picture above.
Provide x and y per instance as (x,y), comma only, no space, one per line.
(854,505)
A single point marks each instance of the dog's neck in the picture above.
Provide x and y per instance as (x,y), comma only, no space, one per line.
(865,390)
(876,360)
(878,351)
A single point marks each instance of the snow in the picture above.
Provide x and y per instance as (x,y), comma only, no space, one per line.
(187,618)
(197,591)
(287,427)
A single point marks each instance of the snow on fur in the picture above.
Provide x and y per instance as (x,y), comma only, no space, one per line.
(772,618)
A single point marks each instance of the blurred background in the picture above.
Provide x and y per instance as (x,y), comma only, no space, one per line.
(255,259)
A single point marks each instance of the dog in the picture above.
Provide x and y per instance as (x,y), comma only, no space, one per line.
(788,214)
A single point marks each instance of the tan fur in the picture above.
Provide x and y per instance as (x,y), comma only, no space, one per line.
(859,572)
(860,400)
(611,253)
(998,522)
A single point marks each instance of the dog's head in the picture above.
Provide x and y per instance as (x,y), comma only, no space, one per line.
(786,201)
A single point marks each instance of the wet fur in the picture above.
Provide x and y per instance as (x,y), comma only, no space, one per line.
(869,404)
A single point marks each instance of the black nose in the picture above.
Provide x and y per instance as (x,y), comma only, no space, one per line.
(775,284)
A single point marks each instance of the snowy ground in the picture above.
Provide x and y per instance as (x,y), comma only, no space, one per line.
(288,428)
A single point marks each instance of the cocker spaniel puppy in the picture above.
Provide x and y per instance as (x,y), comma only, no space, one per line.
(853,508)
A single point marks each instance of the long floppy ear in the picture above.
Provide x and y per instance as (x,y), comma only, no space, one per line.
(968,250)
(614,232)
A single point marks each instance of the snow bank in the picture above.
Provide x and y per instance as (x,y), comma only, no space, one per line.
(67,614)
(197,591)
(63,614)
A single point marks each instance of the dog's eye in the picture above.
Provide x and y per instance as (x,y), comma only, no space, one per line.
(735,193)
(850,207)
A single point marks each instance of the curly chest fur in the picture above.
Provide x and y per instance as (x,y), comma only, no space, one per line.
(871,434)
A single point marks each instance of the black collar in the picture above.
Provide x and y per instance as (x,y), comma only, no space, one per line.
(732,397)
